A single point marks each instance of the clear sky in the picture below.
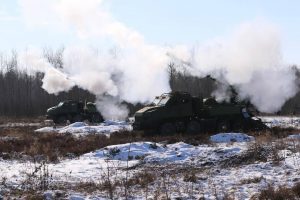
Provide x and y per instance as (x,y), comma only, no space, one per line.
(166,22)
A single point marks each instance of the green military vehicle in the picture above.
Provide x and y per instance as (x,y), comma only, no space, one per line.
(74,111)
(181,112)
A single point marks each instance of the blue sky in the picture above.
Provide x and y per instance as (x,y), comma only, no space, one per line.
(166,22)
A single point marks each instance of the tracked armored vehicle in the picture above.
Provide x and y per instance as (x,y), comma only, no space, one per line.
(74,111)
(181,112)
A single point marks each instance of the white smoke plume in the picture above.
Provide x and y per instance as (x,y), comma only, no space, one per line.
(54,80)
(250,60)
(135,71)
(111,108)
(269,89)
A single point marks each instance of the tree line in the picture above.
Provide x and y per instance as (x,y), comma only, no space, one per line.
(22,95)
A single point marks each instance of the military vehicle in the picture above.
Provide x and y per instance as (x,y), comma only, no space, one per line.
(181,112)
(74,111)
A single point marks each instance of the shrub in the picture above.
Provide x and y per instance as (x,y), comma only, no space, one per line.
(282,193)
(190,177)
(252,180)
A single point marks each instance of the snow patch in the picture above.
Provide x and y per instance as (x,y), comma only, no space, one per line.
(46,130)
(150,152)
(231,137)
(77,124)
(294,137)
(19,124)
(77,197)
(281,121)
(81,128)
(111,122)
(8,138)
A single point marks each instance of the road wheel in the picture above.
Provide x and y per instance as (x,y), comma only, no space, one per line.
(76,118)
(96,118)
(193,127)
(151,132)
(167,129)
(60,120)
(55,120)
(258,125)
(238,126)
(223,126)
(180,127)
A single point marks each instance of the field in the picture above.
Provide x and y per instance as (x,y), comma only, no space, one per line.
(110,161)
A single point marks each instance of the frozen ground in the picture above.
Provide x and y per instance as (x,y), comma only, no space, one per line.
(224,166)
(93,166)
(231,137)
(20,124)
(281,121)
(81,128)
(211,160)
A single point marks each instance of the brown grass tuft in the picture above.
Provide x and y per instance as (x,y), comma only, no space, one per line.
(281,193)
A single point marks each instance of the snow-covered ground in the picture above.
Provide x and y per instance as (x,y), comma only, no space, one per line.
(209,158)
(82,128)
(282,121)
(20,124)
(219,166)
(85,167)
(231,137)
(93,166)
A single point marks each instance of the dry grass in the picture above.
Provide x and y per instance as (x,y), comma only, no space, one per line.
(52,146)
(252,180)
(5,120)
(143,179)
(256,152)
(273,133)
(197,139)
(190,176)
(281,193)
(296,189)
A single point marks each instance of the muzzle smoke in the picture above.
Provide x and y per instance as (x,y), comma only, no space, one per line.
(250,60)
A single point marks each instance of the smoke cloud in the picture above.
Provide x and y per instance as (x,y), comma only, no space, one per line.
(134,71)
(250,59)
(54,81)
(111,108)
